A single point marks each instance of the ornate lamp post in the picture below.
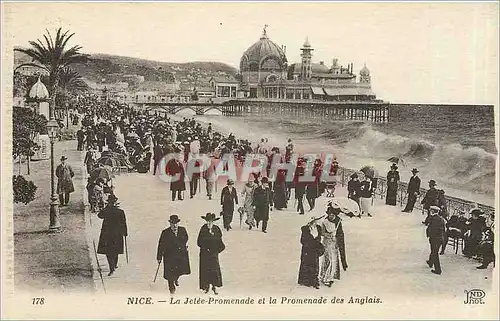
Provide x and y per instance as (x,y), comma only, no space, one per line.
(55,225)
(40,93)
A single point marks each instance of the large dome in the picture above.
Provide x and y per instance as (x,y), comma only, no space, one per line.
(263,55)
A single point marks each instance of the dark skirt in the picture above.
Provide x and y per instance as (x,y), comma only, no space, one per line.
(210,273)
(309,268)
(392,192)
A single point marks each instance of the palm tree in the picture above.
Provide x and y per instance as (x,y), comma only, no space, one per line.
(70,83)
(53,56)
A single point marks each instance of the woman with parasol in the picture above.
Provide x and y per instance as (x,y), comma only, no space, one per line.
(312,249)
(333,241)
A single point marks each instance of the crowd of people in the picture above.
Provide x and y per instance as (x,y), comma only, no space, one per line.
(138,141)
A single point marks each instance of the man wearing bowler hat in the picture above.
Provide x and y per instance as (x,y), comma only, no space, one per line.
(172,249)
(64,174)
(413,191)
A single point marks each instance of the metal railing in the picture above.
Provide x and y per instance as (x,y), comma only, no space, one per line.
(454,204)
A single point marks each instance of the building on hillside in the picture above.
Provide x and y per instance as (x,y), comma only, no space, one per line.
(265,73)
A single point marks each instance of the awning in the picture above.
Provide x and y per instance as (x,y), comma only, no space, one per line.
(353,91)
(317,91)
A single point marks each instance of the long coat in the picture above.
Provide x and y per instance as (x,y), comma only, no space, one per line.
(211,245)
(392,187)
(262,199)
(228,197)
(114,228)
(64,175)
(309,256)
(174,252)
(174,168)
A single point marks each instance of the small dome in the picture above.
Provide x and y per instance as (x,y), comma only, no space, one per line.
(263,55)
(364,71)
(39,91)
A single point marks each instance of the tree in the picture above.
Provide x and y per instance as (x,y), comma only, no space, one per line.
(23,190)
(53,56)
(26,125)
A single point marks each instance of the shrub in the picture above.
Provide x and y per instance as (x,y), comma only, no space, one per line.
(24,191)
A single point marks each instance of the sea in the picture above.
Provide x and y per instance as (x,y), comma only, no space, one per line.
(454,145)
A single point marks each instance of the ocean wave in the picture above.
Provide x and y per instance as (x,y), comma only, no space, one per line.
(472,169)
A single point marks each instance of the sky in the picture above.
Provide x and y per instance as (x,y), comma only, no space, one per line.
(416,52)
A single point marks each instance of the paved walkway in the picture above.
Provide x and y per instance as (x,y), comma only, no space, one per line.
(52,262)
(386,254)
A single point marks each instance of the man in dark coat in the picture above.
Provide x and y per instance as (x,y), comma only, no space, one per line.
(172,248)
(114,228)
(210,244)
(80,136)
(392,185)
(435,233)
(228,198)
(262,200)
(431,197)
(300,187)
(64,174)
(157,156)
(353,188)
(413,191)
(176,169)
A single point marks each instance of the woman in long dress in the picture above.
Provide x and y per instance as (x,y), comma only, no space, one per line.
(312,249)
(247,205)
(210,243)
(365,196)
(392,185)
(333,241)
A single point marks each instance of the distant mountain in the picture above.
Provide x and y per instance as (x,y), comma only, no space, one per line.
(104,68)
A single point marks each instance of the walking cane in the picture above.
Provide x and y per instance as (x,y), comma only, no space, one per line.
(126,249)
(99,267)
(156,274)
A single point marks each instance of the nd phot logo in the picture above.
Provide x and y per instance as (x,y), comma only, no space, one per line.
(475,296)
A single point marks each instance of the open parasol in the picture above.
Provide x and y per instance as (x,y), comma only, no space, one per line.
(105,172)
(109,161)
(397,160)
(369,171)
(346,205)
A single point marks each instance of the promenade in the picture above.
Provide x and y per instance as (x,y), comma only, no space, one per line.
(57,262)
(386,253)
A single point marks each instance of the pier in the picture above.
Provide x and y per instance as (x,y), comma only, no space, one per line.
(375,111)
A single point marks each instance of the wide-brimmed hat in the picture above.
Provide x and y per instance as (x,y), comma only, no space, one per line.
(394,166)
(112,199)
(434,208)
(64,158)
(432,182)
(476,211)
(230,182)
(355,175)
(414,170)
(210,217)
(332,208)
(174,219)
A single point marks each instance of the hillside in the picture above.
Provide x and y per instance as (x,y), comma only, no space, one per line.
(108,69)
